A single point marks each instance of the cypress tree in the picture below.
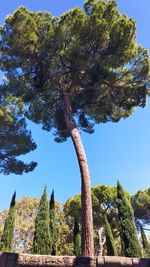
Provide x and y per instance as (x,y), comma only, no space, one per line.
(76,238)
(53,225)
(41,242)
(129,240)
(145,243)
(7,236)
(111,251)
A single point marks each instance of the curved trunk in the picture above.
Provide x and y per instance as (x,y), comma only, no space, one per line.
(87,220)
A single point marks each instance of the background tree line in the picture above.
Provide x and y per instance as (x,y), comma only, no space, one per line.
(62,224)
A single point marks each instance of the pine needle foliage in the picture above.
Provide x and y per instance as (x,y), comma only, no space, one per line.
(73,72)
(7,236)
(91,54)
(128,234)
(15,139)
(41,242)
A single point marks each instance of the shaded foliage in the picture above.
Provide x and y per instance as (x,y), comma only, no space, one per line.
(129,240)
(141,205)
(145,243)
(76,238)
(15,139)
(53,225)
(110,244)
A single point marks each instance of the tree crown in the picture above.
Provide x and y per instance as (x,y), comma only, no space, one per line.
(91,55)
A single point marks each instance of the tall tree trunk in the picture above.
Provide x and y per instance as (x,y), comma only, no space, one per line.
(87,220)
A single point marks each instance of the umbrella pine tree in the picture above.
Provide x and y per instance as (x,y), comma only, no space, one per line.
(75,71)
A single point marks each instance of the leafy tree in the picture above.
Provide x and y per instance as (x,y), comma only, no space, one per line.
(76,238)
(106,196)
(73,72)
(41,241)
(145,243)
(128,234)
(7,236)
(141,205)
(15,139)
(53,225)
(65,244)
(110,245)
(26,212)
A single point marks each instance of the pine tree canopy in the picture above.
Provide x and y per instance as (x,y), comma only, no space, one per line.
(15,139)
(75,71)
(91,55)
(141,206)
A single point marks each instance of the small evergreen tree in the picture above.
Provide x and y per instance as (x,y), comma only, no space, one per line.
(7,237)
(41,242)
(53,225)
(110,245)
(129,240)
(145,243)
(76,238)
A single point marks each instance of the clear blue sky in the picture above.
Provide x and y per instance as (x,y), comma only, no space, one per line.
(115,151)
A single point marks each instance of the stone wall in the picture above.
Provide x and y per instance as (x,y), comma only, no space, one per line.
(24,260)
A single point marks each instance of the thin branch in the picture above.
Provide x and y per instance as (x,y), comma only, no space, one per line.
(110,204)
(145,229)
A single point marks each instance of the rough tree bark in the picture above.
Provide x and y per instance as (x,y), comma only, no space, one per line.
(87,218)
